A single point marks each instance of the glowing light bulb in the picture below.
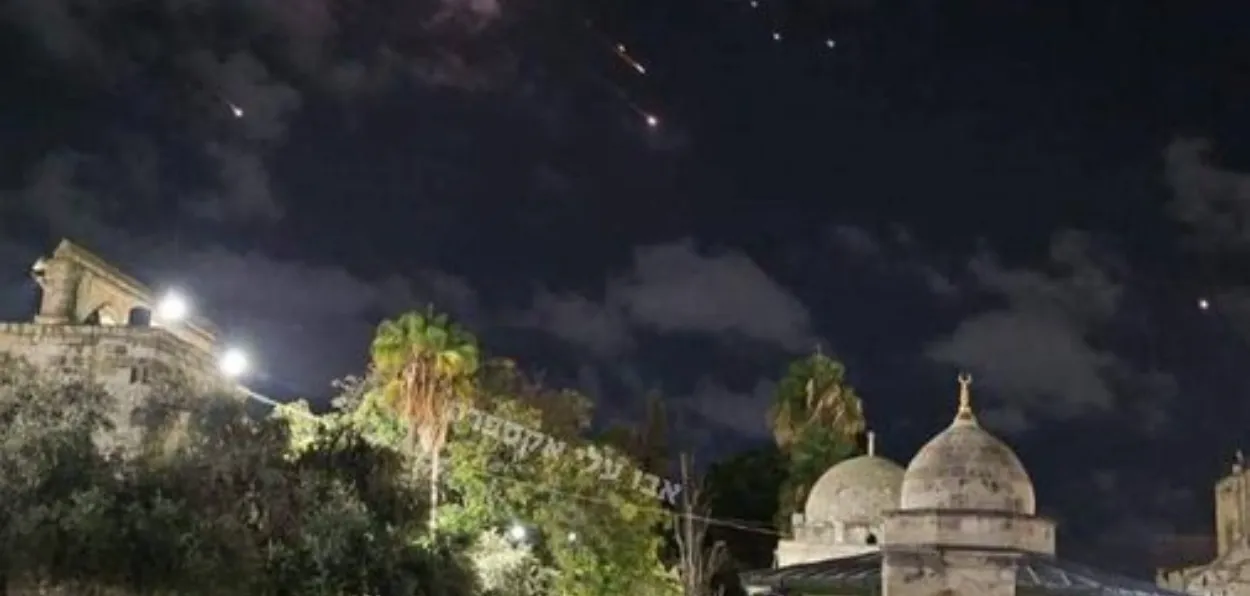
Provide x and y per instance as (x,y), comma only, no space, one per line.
(233,363)
(172,308)
(1203,304)
(652,121)
(776,36)
(517,532)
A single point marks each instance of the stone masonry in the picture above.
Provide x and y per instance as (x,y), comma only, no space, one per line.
(94,323)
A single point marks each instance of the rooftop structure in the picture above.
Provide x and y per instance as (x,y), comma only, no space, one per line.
(96,323)
(964,524)
(1228,574)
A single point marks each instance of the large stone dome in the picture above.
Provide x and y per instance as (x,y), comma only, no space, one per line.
(856,491)
(966,468)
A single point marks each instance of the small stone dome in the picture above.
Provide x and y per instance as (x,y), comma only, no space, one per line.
(858,490)
(965,467)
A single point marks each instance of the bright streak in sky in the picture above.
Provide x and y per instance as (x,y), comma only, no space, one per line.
(624,55)
(236,110)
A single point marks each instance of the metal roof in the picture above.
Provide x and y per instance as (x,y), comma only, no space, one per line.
(1036,574)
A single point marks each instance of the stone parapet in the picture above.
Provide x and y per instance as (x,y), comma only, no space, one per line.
(116,357)
(793,552)
(80,287)
(969,529)
(926,572)
(122,360)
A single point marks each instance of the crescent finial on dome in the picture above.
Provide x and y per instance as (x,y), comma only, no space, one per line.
(965,398)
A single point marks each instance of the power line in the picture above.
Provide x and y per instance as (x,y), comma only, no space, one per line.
(713,521)
(740,525)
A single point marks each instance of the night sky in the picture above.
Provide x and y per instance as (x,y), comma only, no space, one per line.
(1037,191)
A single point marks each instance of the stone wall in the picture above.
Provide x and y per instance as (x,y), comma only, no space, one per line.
(79,287)
(793,552)
(121,359)
(930,572)
(1232,502)
(951,528)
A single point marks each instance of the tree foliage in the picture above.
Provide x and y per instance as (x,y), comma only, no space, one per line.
(747,487)
(425,364)
(194,497)
(215,503)
(588,535)
(815,418)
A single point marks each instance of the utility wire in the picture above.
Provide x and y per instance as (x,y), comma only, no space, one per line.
(740,525)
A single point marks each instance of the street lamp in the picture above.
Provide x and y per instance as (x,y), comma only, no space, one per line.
(517,533)
(233,363)
(172,308)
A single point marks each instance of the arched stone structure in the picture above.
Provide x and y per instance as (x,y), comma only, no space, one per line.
(139,317)
(81,288)
(95,324)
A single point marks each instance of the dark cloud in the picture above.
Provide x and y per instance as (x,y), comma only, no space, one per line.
(1122,533)
(676,288)
(897,253)
(317,38)
(60,28)
(242,81)
(244,192)
(296,317)
(304,321)
(177,54)
(741,411)
(580,321)
(1042,354)
(1213,201)
(857,241)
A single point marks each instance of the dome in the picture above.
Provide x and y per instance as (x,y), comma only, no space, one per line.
(858,490)
(965,467)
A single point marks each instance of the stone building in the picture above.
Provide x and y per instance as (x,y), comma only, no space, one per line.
(1228,574)
(845,510)
(96,323)
(964,523)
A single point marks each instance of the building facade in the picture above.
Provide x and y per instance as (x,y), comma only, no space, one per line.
(95,323)
(845,510)
(964,523)
(1228,574)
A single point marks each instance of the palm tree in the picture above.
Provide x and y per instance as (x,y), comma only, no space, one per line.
(814,390)
(816,418)
(426,364)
